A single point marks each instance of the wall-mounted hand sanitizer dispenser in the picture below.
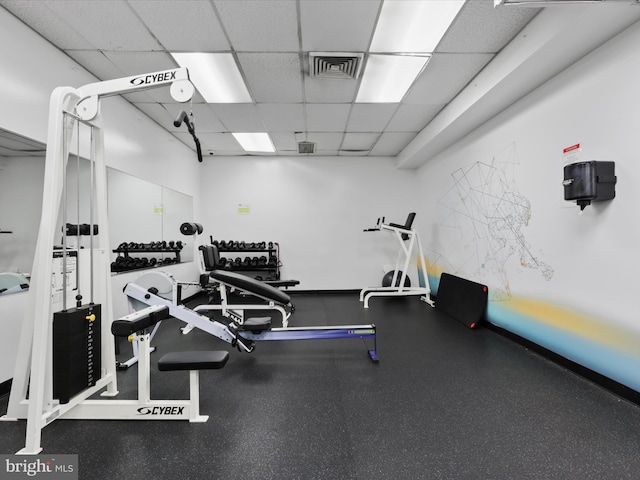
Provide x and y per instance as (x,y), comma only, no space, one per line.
(586,182)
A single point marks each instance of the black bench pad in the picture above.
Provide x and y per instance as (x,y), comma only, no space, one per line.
(124,328)
(251,285)
(197,360)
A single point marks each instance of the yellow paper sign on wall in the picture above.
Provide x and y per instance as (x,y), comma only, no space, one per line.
(244,210)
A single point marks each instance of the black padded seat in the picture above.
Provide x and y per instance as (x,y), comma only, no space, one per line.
(407,225)
(210,257)
(251,285)
(196,360)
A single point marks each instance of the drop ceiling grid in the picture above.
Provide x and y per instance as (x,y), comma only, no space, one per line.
(359,141)
(481,28)
(285,117)
(412,118)
(97,21)
(48,23)
(183,25)
(370,117)
(239,117)
(271,41)
(284,141)
(391,143)
(337,25)
(444,76)
(273,77)
(325,141)
(329,90)
(327,117)
(255,26)
(220,143)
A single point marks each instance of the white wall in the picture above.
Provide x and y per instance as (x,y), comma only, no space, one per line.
(497,215)
(315,207)
(31,69)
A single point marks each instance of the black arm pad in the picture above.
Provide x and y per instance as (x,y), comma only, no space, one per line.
(138,321)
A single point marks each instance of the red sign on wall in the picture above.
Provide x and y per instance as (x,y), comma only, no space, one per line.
(571,148)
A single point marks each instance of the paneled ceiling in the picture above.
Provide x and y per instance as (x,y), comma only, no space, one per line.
(271,41)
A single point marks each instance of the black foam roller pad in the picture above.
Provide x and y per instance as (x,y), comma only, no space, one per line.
(462,299)
(191,228)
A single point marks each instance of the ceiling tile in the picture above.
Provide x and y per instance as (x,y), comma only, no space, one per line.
(481,28)
(182,25)
(412,118)
(325,141)
(97,21)
(219,143)
(327,117)
(239,117)
(283,117)
(445,75)
(370,117)
(97,64)
(158,113)
(284,141)
(391,144)
(328,90)
(358,141)
(47,23)
(337,25)
(260,26)
(272,77)
(134,63)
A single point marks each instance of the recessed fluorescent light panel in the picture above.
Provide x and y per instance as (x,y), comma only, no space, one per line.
(410,26)
(255,142)
(387,78)
(216,76)
(412,30)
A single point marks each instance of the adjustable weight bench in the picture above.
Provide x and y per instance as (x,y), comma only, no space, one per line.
(211,261)
(240,332)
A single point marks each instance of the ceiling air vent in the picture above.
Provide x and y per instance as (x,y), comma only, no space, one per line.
(335,65)
(306,147)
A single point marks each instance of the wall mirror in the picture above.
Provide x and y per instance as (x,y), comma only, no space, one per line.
(139,211)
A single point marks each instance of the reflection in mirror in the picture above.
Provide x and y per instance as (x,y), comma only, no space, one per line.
(21,181)
(144,223)
(13,282)
(139,211)
(177,209)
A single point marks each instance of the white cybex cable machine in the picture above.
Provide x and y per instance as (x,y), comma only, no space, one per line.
(46,383)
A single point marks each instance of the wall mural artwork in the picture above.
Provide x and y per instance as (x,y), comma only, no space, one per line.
(484,219)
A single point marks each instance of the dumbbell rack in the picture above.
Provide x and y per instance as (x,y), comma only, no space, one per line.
(129,263)
(247,258)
